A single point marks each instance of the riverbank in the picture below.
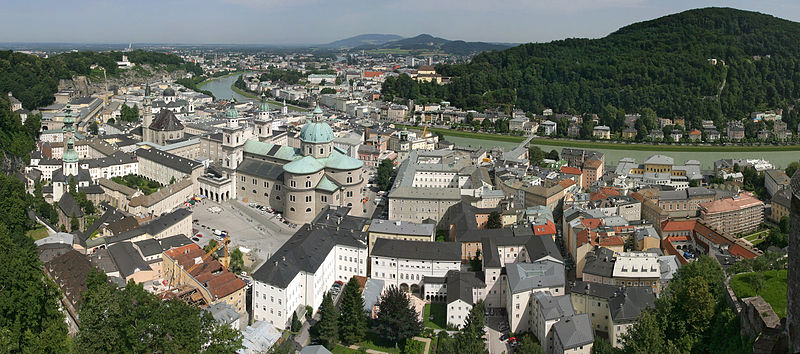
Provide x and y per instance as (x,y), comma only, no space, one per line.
(584,144)
(219,77)
(272,102)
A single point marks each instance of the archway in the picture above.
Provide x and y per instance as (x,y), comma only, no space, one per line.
(404,287)
(414,288)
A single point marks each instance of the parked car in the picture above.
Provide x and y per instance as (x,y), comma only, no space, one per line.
(195,239)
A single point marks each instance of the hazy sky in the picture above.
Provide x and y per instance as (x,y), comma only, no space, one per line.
(322,21)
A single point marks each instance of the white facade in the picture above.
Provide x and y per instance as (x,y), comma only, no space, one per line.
(409,272)
(276,305)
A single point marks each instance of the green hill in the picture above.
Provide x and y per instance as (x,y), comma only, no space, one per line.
(661,64)
(425,43)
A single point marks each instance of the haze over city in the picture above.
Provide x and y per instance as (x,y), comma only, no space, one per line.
(304,22)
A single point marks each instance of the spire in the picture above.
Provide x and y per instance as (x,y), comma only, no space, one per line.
(147,91)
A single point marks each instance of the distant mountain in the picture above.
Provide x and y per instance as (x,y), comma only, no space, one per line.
(362,40)
(712,63)
(428,43)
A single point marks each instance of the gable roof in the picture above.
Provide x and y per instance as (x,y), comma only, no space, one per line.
(424,250)
(166,121)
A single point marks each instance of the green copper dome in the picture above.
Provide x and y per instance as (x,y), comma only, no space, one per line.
(340,161)
(316,133)
(317,110)
(264,106)
(70,155)
(305,166)
(232,113)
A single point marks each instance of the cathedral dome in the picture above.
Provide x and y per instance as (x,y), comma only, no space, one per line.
(316,133)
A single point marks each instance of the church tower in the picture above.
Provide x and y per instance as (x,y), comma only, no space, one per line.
(263,122)
(285,108)
(316,136)
(147,115)
(232,138)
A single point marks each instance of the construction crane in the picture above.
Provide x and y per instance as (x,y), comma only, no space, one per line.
(223,243)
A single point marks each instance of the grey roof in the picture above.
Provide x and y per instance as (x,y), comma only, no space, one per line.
(529,276)
(338,217)
(460,286)
(574,331)
(69,206)
(149,247)
(491,259)
(600,262)
(315,349)
(305,251)
(647,231)
(668,265)
(372,293)
(401,227)
(171,242)
(659,160)
(166,159)
(262,169)
(223,313)
(127,259)
(627,303)
(541,247)
(424,250)
(605,291)
(553,307)
(154,227)
(103,261)
(166,121)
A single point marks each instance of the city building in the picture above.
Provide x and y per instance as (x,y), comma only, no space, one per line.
(735,215)
(400,230)
(404,264)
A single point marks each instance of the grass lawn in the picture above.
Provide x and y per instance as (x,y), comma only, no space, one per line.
(773,290)
(757,237)
(587,144)
(439,312)
(374,341)
(134,181)
(37,233)
(344,350)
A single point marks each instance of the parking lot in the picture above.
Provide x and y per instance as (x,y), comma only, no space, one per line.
(248,228)
(496,326)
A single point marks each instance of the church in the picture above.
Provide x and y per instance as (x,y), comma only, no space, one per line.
(166,127)
(299,182)
(70,171)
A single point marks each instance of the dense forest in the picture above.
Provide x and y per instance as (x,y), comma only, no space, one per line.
(662,64)
(34,80)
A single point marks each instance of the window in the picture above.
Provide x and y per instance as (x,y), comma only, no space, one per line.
(349,194)
(293,184)
(291,198)
(277,187)
(244,179)
(255,181)
(309,199)
(349,179)
(308,184)
(323,198)
(308,210)
(266,184)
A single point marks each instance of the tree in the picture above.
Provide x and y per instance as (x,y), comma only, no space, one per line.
(396,319)
(129,114)
(74,223)
(327,91)
(790,170)
(646,336)
(385,171)
(602,346)
(211,244)
(352,319)
(470,338)
(535,155)
(327,327)
(784,224)
(475,264)
(139,321)
(30,320)
(553,155)
(296,325)
(527,345)
(94,129)
(111,121)
(237,260)
(494,221)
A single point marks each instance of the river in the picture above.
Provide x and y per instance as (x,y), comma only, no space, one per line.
(778,158)
(221,88)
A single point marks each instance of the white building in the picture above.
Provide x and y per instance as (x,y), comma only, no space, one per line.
(525,279)
(405,263)
(303,270)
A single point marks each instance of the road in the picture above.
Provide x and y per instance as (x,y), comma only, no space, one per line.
(495,345)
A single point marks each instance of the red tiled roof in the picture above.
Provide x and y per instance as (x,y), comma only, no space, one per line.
(570,170)
(373,73)
(219,281)
(744,200)
(678,225)
(591,222)
(603,193)
(591,164)
(566,183)
(548,228)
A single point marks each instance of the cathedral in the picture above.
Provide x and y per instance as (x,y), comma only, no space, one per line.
(300,182)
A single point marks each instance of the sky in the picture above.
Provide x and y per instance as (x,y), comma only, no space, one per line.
(285,22)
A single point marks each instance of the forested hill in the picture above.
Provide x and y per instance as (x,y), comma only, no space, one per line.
(662,64)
